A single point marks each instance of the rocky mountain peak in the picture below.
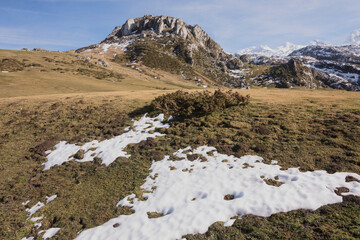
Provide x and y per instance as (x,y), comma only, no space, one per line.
(150,25)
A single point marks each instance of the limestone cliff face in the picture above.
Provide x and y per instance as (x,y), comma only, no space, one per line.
(164,26)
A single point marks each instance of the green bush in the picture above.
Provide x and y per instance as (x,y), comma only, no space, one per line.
(183,104)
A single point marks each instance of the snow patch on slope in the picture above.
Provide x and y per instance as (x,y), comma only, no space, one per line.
(191,195)
(29,238)
(107,150)
(120,45)
(31,211)
(50,233)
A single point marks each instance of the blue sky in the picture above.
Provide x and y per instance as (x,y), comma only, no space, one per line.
(70,24)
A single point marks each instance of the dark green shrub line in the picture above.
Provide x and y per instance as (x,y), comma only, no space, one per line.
(184,105)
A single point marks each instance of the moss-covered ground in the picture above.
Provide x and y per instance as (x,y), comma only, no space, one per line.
(298,128)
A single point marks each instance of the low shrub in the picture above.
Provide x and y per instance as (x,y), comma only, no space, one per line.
(183,104)
(11,65)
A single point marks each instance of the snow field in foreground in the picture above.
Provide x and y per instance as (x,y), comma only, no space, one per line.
(191,195)
(107,150)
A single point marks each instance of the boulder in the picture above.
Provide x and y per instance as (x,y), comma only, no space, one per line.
(245,58)
(234,63)
(128,28)
(101,63)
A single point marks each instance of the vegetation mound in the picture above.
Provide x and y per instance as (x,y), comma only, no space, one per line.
(11,65)
(183,104)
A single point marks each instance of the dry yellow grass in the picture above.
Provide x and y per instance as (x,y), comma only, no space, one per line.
(57,73)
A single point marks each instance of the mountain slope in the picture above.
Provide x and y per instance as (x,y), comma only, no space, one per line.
(25,73)
(170,44)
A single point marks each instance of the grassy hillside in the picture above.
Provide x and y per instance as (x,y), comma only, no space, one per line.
(299,128)
(26,73)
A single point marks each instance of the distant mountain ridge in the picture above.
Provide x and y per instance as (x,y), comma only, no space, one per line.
(281,51)
(288,48)
(342,54)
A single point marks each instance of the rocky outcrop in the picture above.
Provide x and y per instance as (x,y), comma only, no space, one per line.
(83,58)
(295,73)
(161,26)
(83,49)
(245,58)
(264,60)
(339,65)
(128,28)
(101,62)
(40,50)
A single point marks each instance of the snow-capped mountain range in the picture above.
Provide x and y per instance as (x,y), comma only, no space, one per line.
(288,48)
(281,51)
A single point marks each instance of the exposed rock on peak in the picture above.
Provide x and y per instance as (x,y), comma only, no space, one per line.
(164,26)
